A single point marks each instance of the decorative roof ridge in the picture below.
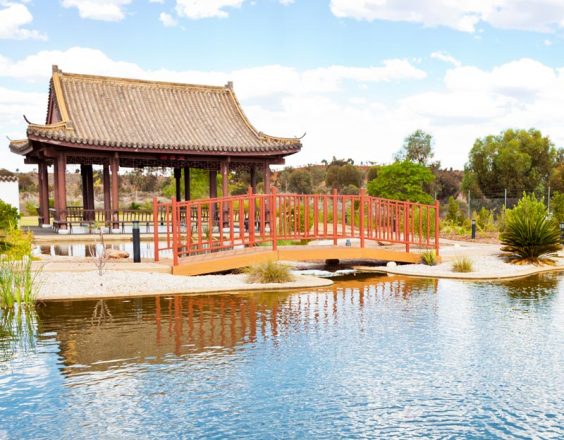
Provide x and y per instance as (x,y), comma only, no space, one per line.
(65,125)
(132,81)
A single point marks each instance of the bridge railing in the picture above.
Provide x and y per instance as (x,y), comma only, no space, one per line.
(211,225)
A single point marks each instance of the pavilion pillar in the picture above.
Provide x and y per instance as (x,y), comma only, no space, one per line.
(225,179)
(186,183)
(254,178)
(267,176)
(87,175)
(114,165)
(60,189)
(106,181)
(177,176)
(43,175)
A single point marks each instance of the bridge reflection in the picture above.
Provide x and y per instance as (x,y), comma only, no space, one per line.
(98,335)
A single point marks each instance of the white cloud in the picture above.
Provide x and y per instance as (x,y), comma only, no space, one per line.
(443,56)
(12,18)
(157,1)
(286,2)
(463,15)
(339,106)
(547,43)
(167,20)
(105,10)
(197,9)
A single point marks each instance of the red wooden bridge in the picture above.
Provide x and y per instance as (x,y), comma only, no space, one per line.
(211,235)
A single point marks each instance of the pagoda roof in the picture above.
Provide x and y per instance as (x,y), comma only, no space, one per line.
(101,112)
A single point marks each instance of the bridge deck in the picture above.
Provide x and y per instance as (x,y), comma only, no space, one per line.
(239,258)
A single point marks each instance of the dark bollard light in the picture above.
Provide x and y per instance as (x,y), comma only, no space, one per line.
(473,229)
(136,242)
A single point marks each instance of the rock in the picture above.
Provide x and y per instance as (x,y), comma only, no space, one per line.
(391,264)
(114,254)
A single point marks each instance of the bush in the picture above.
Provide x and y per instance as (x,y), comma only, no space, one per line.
(462,265)
(530,233)
(485,220)
(15,244)
(557,206)
(429,258)
(269,272)
(8,216)
(134,206)
(31,208)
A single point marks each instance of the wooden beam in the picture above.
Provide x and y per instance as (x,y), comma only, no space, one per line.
(254,178)
(267,175)
(213,184)
(224,179)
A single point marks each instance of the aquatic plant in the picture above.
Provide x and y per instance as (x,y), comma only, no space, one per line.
(530,234)
(462,265)
(269,272)
(18,282)
(429,258)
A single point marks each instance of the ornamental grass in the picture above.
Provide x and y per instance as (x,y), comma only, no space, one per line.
(269,272)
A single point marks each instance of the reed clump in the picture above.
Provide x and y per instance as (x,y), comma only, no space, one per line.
(269,272)
(429,258)
(462,265)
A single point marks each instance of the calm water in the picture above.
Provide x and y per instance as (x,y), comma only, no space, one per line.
(375,357)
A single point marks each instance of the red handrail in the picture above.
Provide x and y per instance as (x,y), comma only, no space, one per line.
(224,223)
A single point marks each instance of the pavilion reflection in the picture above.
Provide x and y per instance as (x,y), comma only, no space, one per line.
(98,335)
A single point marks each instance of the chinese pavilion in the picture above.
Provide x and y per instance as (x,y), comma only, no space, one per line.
(125,123)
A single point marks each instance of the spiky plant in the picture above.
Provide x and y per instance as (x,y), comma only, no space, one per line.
(462,265)
(531,238)
(429,258)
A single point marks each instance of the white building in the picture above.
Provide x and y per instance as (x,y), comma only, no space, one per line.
(9,191)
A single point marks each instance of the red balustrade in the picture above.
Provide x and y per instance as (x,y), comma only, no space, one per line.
(202,226)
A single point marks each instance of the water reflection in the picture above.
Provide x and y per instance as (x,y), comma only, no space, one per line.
(78,249)
(389,357)
(18,331)
(95,333)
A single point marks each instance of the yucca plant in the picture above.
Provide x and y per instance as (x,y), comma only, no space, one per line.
(530,235)
(269,272)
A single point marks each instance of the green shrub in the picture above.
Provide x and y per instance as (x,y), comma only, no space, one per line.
(530,233)
(31,208)
(462,265)
(429,258)
(8,216)
(485,220)
(269,272)
(134,206)
(15,243)
(557,206)
(454,214)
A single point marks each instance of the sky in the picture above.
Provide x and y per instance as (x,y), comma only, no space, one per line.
(355,76)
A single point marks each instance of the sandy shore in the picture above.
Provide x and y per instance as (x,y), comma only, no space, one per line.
(89,284)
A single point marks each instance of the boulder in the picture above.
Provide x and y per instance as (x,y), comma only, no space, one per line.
(114,254)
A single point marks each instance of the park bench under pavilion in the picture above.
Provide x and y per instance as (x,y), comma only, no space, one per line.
(128,123)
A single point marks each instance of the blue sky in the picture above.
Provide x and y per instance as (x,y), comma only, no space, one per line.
(356,75)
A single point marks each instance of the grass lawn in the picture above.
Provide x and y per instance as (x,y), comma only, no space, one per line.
(30,220)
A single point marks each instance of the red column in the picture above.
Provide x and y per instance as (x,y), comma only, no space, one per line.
(60,188)
(43,176)
(267,175)
(225,179)
(107,194)
(254,178)
(177,176)
(114,165)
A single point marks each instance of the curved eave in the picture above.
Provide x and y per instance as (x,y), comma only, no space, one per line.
(54,138)
(21,147)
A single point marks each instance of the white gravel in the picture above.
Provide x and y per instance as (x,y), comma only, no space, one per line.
(88,284)
(485,266)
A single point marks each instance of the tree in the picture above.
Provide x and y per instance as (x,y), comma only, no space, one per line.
(516,160)
(340,176)
(300,182)
(417,147)
(402,181)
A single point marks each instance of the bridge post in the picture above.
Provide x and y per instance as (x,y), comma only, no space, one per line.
(437,226)
(174,236)
(156,228)
(335,206)
(251,216)
(273,219)
(361,214)
(406,207)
